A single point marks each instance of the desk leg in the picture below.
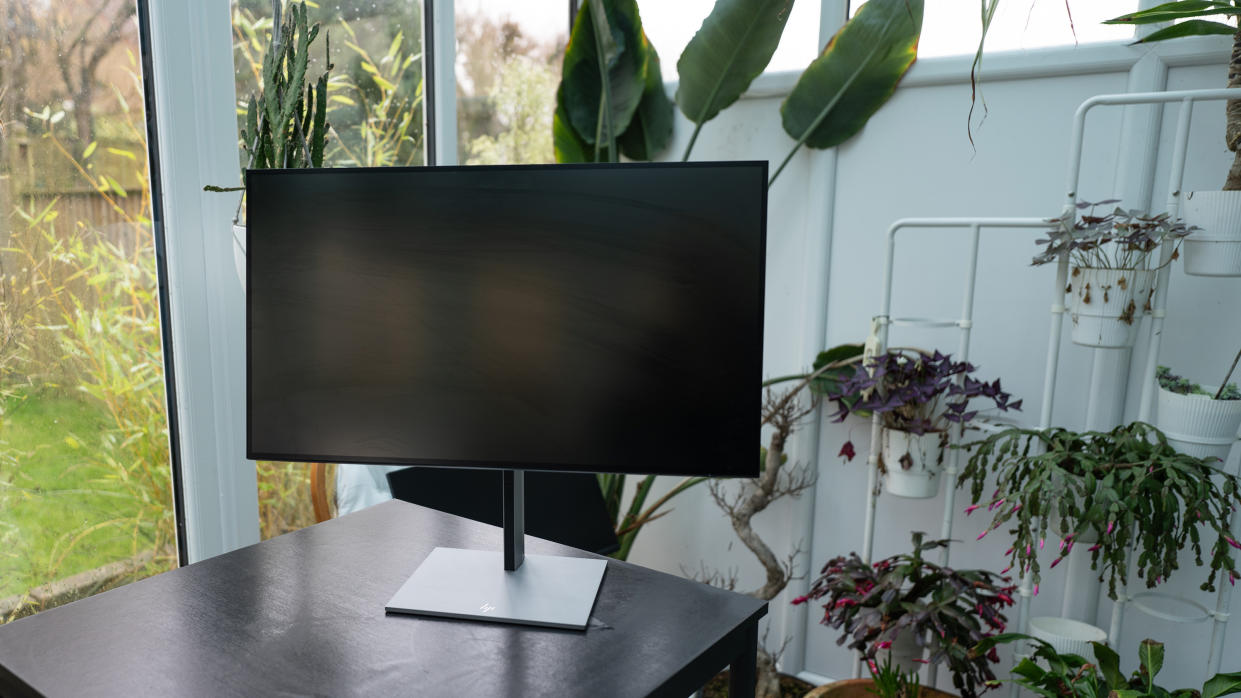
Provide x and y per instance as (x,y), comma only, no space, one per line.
(743,671)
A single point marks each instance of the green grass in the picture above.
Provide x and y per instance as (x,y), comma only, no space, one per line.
(50,494)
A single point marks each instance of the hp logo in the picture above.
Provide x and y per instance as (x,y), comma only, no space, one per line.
(486,607)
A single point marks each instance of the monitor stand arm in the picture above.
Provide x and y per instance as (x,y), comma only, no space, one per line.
(508,587)
(514,519)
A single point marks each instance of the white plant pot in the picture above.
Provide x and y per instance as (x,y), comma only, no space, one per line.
(1215,250)
(1198,425)
(902,654)
(913,462)
(1067,636)
(1106,305)
(239,253)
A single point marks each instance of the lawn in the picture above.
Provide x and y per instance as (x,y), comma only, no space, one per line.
(59,513)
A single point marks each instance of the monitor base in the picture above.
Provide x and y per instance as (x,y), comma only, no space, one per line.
(546,590)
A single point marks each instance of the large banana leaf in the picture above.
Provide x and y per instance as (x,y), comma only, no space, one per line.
(1178,10)
(604,74)
(856,73)
(651,127)
(732,48)
(569,147)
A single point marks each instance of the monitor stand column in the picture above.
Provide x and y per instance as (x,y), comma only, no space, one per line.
(505,587)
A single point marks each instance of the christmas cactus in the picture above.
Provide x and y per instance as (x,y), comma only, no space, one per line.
(948,611)
(1128,487)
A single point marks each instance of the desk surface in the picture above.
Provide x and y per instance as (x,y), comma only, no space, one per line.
(304,614)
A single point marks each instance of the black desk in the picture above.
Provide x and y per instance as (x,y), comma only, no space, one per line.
(303,614)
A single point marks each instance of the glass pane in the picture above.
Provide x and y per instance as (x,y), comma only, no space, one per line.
(951,27)
(670,26)
(508,67)
(85,475)
(375,110)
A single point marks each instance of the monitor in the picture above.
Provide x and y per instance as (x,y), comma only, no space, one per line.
(577,318)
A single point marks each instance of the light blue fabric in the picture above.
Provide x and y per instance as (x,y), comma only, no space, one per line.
(361,486)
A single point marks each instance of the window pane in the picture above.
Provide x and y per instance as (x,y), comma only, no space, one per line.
(670,26)
(375,109)
(85,476)
(508,67)
(952,27)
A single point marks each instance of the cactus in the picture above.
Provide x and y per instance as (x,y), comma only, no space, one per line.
(286,122)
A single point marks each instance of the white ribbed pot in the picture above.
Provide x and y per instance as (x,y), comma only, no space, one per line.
(239,253)
(1067,636)
(903,652)
(1106,305)
(913,462)
(1198,425)
(1215,250)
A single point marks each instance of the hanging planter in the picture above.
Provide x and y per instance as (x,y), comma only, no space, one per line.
(1215,250)
(913,462)
(1106,305)
(1113,274)
(919,396)
(1194,420)
(1066,636)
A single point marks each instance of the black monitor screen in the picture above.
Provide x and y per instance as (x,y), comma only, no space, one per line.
(586,318)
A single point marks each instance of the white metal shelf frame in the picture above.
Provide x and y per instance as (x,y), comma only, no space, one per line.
(882,322)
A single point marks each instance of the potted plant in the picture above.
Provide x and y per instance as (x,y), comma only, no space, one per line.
(1128,486)
(1113,276)
(286,121)
(1048,672)
(945,611)
(1216,249)
(1199,421)
(886,681)
(919,396)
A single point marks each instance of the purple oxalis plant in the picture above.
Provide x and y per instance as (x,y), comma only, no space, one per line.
(915,392)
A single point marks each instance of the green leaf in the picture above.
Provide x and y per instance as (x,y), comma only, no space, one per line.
(733,46)
(1222,685)
(1193,27)
(568,145)
(89,149)
(651,129)
(582,87)
(1170,11)
(1150,654)
(1109,664)
(856,73)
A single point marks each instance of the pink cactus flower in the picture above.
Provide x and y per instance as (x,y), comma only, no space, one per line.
(1233,542)
(1056,561)
(970,509)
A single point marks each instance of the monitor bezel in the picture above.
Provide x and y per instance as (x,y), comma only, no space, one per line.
(252,454)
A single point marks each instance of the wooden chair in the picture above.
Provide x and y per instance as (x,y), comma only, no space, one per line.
(318,492)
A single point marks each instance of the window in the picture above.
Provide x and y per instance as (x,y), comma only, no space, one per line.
(670,26)
(952,27)
(85,475)
(508,67)
(375,109)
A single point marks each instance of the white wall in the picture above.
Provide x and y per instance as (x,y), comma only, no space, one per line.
(914,159)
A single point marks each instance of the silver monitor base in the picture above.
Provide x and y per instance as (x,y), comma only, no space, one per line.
(546,590)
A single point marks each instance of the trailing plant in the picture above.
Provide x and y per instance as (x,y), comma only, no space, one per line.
(1127,486)
(1117,240)
(1072,676)
(892,682)
(948,611)
(914,392)
(1173,383)
(611,99)
(917,392)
